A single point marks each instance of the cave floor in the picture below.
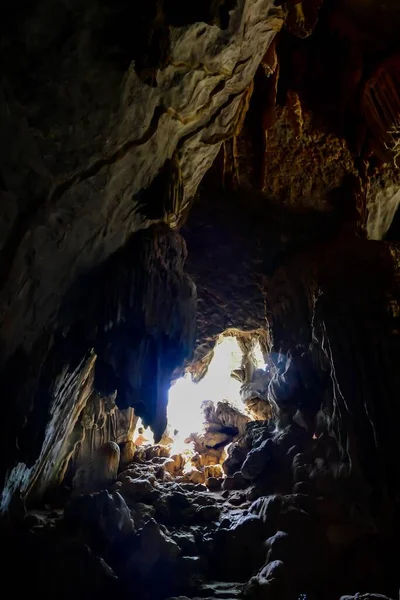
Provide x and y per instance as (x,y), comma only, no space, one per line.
(153,536)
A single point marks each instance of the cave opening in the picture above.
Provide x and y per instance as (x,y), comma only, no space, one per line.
(200,299)
(210,405)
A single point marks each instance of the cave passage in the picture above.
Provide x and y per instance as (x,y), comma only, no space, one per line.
(209,407)
(200,299)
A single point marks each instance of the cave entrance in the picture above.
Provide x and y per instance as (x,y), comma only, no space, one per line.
(210,406)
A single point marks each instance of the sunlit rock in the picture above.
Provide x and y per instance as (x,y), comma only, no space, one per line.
(127,450)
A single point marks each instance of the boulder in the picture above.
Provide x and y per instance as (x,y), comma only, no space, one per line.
(98,472)
(240,542)
(157,451)
(214,484)
(236,482)
(214,471)
(237,498)
(305,556)
(174,507)
(286,513)
(235,458)
(186,541)
(152,546)
(195,476)
(101,513)
(272,582)
(137,490)
(207,513)
(141,513)
(127,454)
(257,460)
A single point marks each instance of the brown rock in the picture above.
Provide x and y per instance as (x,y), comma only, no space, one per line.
(99,472)
(237,482)
(127,450)
(157,451)
(214,484)
(137,490)
(195,476)
(214,471)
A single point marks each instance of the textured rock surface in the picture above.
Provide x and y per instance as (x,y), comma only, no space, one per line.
(110,132)
(81,184)
(110,114)
(137,312)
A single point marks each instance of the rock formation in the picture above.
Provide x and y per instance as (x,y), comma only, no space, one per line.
(204,192)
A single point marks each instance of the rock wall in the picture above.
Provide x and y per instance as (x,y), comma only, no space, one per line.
(110,114)
(83,135)
(122,332)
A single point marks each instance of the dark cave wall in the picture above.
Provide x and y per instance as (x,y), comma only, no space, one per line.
(337,325)
(83,136)
(225,262)
(360,337)
(312,142)
(110,114)
(122,332)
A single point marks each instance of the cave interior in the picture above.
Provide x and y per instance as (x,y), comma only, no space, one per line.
(200,299)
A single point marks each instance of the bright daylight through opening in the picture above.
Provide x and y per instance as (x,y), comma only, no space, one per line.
(211,404)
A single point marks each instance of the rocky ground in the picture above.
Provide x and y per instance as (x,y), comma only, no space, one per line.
(286,521)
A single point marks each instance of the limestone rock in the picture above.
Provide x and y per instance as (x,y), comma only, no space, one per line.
(272,583)
(153,545)
(100,471)
(137,490)
(234,461)
(195,476)
(104,513)
(127,450)
(214,484)
(141,513)
(241,543)
(216,438)
(157,451)
(257,461)
(236,482)
(174,464)
(237,498)
(305,556)
(186,541)
(208,513)
(284,513)
(174,507)
(214,471)
(258,408)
